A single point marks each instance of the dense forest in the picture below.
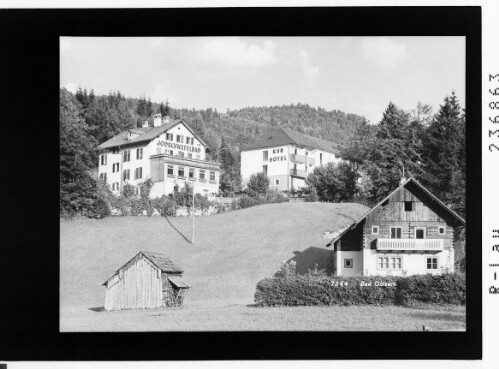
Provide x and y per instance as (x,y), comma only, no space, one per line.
(429,146)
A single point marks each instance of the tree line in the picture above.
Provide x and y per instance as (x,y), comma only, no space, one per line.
(430,147)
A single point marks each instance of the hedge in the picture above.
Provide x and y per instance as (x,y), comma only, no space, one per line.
(320,289)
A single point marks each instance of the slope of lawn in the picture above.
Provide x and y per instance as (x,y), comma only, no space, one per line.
(231,253)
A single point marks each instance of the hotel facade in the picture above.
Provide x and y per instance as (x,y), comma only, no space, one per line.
(286,157)
(170,153)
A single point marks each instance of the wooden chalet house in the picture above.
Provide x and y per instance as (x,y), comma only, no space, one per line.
(149,280)
(409,232)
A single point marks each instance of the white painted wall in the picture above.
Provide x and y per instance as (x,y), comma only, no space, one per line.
(412,263)
(155,146)
(356,269)
(279,164)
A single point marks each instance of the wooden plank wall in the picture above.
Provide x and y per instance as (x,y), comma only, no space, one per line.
(393,214)
(138,288)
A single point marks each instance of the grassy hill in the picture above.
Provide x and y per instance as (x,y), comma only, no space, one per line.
(231,253)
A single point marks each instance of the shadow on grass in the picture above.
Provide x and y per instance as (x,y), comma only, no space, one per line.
(177,230)
(444,317)
(309,258)
(97,309)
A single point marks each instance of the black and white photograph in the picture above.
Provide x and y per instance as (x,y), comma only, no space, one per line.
(237,183)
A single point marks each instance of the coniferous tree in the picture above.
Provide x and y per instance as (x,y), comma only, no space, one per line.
(444,149)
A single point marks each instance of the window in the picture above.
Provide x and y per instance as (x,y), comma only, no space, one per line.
(375,229)
(320,158)
(265,169)
(348,263)
(192,173)
(181,154)
(103,177)
(431,263)
(181,172)
(139,153)
(116,167)
(395,232)
(409,205)
(385,262)
(441,230)
(420,232)
(169,170)
(126,155)
(180,138)
(265,155)
(201,174)
(212,176)
(276,182)
(189,155)
(170,152)
(188,140)
(138,173)
(103,159)
(116,186)
(126,174)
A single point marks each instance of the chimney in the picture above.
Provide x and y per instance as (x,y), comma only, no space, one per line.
(165,119)
(145,124)
(157,120)
(402,179)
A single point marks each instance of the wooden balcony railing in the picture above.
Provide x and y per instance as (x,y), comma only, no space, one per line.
(410,244)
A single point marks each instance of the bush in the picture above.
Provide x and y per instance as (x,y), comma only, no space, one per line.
(447,288)
(287,288)
(165,206)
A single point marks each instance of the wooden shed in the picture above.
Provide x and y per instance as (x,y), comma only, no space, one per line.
(149,280)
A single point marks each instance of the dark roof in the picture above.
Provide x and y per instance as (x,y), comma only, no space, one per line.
(162,262)
(453,214)
(145,134)
(177,282)
(159,260)
(284,136)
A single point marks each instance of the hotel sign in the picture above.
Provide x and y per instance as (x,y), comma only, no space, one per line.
(179,146)
(279,157)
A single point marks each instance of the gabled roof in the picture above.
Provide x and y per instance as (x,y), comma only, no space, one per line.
(145,134)
(284,136)
(451,212)
(157,259)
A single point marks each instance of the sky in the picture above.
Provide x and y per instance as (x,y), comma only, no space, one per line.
(358,75)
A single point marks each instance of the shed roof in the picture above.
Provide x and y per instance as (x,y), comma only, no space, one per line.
(451,212)
(284,136)
(177,282)
(145,134)
(162,262)
(157,259)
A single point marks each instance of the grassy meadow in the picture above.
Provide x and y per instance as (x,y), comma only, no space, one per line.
(231,253)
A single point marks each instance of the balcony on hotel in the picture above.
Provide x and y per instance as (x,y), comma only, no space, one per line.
(409,244)
(298,173)
(301,159)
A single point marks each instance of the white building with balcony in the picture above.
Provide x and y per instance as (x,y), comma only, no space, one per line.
(286,157)
(170,153)
(409,232)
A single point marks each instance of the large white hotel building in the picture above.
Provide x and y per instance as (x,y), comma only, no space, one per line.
(169,153)
(287,157)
